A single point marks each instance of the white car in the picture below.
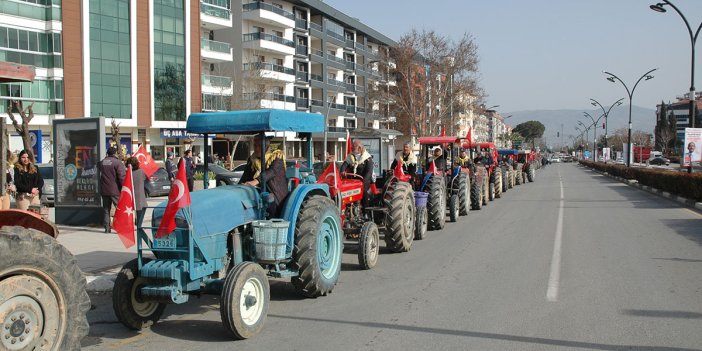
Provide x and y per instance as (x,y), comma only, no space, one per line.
(555,160)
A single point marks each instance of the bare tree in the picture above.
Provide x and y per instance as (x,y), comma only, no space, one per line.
(22,127)
(430,69)
(115,139)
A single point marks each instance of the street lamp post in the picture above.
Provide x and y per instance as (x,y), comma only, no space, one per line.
(594,133)
(660,7)
(606,116)
(612,77)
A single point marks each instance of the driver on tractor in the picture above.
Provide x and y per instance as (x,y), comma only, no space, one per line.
(438,159)
(273,174)
(464,160)
(408,160)
(360,162)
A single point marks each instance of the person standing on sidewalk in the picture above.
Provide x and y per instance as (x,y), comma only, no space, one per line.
(138,180)
(10,190)
(189,168)
(112,174)
(28,182)
(171,168)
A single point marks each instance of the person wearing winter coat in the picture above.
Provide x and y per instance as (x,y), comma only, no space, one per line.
(28,182)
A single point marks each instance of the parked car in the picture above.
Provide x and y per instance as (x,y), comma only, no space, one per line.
(158,184)
(47,191)
(555,160)
(659,160)
(619,161)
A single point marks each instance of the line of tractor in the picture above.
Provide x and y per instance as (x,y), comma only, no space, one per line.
(228,243)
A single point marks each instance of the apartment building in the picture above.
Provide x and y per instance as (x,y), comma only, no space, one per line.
(295,55)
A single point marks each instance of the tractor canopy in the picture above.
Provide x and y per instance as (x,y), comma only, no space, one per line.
(508,152)
(431,140)
(254,121)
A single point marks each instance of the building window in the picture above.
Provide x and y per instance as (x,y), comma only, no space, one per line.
(169,60)
(110,61)
(46,95)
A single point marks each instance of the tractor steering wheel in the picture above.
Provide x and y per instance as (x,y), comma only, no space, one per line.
(351,175)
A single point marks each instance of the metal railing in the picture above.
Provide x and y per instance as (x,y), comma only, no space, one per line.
(350,65)
(318,53)
(300,23)
(268,7)
(350,109)
(317,77)
(216,81)
(215,11)
(301,50)
(302,102)
(350,43)
(269,37)
(269,67)
(350,87)
(336,83)
(336,59)
(216,46)
(268,96)
(319,103)
(316,26)
(337,129)
(303,76)
(337,36)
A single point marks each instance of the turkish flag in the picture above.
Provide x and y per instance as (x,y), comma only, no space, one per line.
(349,144)
(146,163)
(469,136)
(178,198)
(330,176)
(123,222)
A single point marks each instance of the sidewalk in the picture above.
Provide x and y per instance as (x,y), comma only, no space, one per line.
(99,255)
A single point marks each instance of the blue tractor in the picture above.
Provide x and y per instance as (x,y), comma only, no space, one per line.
(226,243)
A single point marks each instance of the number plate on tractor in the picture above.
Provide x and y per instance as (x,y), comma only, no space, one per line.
(168,242)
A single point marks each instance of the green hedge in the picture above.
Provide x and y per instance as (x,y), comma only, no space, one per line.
(679,183)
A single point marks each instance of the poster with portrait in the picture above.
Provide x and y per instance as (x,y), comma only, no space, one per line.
(692,148)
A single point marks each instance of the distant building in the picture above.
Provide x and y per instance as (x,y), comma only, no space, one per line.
(681,110)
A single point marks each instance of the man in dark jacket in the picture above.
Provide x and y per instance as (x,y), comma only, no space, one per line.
(189,168)
(171,168)
(407,158)
(112,174)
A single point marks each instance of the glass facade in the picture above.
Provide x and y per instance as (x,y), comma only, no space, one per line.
(39,49)
(45,95)
(43,10)
(110,61)
(169,60)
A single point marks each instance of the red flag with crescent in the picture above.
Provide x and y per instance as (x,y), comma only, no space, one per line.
(146,163)
(123,222)
(469,136)
(178,198)
(349,144)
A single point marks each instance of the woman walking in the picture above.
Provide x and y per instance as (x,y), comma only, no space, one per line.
(28,182)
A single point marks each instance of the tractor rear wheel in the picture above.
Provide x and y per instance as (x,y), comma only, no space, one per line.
(368,245)
(399,221)
(318,247)
(420,226)
(244,301)
(498,182)
(130,309)
(43,302)
(505,181)
(463,194)
(436,202)
(476,196)
(453,208)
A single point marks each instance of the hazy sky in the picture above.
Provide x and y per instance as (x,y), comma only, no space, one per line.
(550,54)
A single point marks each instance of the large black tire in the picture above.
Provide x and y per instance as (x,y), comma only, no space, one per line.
(453,208)
(463,193)
(318,247)
(497,175)
(510,177)
(368,245)
(486,191)
(491,191)
(399,201)
(531,174)
(505,181)
(436,202)
(134,313)
(476,196)
(33,262)
(244,301)
(518,175)
(420,226)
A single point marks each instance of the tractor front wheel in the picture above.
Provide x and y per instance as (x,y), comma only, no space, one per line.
(129,307)
(368,245)
(244,301)
(498,182)
(476,196)
(318,247)
(420,227)
(436,203)
(463,194)
(453,208)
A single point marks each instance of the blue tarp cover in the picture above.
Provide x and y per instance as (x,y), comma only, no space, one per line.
(255,121)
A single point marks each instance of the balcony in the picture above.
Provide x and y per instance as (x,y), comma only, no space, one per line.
(270,71)
(350,65)
(215,14)
(216,51)
(269,42)
(301,76)
(350,43)
(302,103)
(317,77)
(318,54)
(269,14)
(216,85)
(300,23)
(350,87)
(336,83)
(301,50)
(272,100)
(336,38)
(316,29)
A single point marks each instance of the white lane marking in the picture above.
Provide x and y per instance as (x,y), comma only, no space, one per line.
(554,277)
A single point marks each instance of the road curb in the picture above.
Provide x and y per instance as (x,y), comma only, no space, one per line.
(634,183)
(100,283)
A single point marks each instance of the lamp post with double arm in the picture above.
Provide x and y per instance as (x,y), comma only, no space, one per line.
(606,116)
(612,78)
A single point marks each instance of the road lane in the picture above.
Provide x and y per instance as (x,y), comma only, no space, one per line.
(630,279)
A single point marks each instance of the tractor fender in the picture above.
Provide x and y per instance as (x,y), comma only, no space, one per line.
(28,220)
(293,204)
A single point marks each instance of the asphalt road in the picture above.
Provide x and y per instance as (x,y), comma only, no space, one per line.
(607,267)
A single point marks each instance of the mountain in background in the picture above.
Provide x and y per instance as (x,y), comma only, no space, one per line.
(641,118)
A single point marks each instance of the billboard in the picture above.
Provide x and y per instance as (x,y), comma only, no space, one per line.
(693,146)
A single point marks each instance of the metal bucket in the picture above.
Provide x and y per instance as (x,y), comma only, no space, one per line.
(271,239)
(420,198)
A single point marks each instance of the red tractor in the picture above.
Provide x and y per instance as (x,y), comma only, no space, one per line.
(486,153)
(526,166)
(390,209)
